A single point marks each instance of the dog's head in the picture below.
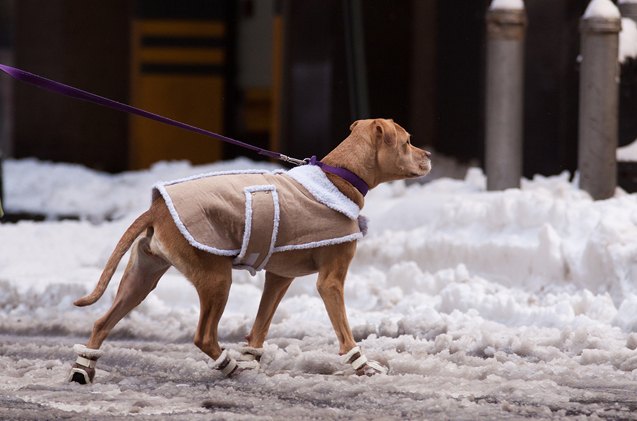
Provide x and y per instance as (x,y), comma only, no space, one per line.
(396,157)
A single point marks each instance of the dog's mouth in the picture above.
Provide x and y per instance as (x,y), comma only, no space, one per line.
(416,168)
(424,167)
(419,174)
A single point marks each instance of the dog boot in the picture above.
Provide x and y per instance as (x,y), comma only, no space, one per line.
(250,358)
(225,363)
(363,366)
(83,371)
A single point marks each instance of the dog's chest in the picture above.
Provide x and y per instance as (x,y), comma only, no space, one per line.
(251,216)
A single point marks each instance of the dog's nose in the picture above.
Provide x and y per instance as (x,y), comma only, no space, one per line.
(427,153)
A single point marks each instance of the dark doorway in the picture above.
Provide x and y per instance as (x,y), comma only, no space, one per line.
(83,43)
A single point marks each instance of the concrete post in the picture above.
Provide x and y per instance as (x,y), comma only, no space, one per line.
(505,94)
(599,98)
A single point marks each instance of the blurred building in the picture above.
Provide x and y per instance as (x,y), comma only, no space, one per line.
(282,74)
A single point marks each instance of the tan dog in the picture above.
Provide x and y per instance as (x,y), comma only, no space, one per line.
(376,150)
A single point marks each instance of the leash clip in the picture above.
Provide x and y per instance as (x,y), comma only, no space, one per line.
(294,161)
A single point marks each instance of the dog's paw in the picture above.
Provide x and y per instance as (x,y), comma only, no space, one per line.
(248,365)
(225,364)
(83,371)
(362,366)
(249,358)
(249,353)
(80,374)
(371,368)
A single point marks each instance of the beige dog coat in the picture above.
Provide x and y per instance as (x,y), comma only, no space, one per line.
(252,214)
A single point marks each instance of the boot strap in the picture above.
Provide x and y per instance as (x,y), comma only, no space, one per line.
(225,363)
(249,353)
(355,357)
(85,362)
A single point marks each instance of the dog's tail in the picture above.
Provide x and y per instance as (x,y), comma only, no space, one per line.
(131,234)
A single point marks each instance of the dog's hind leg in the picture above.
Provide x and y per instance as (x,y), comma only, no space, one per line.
(212,282)
(142,273)
(274,289)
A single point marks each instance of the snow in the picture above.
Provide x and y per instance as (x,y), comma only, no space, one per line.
(602,9)
(627,152)
(52,189)
(484,305)
(627,40)
(507,4)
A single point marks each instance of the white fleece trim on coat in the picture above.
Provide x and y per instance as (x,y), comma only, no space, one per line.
(248,226)
(275,228)
(316,182)
(322,243)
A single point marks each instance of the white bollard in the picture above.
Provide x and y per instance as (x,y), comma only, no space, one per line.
(506,27)
(599,99)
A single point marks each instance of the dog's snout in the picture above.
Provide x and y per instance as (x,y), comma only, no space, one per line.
(427,153)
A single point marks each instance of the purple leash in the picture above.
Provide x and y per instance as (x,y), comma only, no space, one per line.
(70,91)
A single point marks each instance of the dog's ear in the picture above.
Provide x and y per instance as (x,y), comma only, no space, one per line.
(384,132)
(353,125)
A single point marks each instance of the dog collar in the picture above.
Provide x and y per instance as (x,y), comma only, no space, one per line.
(345,174)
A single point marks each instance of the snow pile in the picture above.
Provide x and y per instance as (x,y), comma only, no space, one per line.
(507,4)
(447,243)
(546,238)
(627,40)
(602,9)
(627,153)
(522,297)
(53,189)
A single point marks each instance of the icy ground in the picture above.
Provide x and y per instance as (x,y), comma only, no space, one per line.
(483,305)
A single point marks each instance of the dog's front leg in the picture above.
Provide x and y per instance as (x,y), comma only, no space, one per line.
(331,285)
